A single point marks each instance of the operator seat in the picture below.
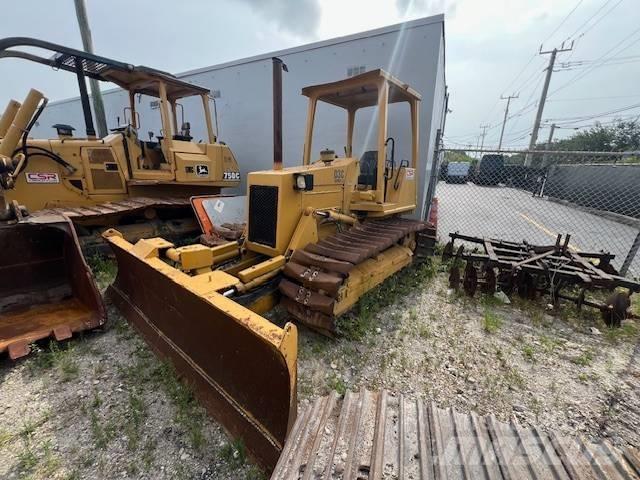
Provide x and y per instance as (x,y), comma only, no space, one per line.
(369,169)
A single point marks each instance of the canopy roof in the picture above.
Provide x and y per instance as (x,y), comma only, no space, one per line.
(137,79)
(362,90)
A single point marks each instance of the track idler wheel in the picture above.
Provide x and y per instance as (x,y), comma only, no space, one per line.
(470,281)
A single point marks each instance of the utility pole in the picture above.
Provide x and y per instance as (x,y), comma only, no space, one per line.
(482,135)
(545,158)
(543,97)
(87,43)
(506,113)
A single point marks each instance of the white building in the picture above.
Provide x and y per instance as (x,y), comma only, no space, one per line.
(412,51)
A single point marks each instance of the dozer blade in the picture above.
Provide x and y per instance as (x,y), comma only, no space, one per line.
(241,366)
(46,288)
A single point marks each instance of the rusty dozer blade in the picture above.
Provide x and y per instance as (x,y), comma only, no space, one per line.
(241,366)
(46,288)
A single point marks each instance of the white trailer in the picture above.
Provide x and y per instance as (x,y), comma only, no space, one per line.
(412,51)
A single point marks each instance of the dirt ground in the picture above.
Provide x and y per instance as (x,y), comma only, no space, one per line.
(102,406)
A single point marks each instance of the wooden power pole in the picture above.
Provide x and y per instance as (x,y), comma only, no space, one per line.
(87,44)
(506,113)
(543,97)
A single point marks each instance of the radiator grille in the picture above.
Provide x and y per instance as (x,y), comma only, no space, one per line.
(263,214)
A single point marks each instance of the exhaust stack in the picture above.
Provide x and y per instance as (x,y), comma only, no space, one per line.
(20,123)
(278,67)
(7,117)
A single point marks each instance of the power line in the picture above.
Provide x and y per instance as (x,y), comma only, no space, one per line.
(582,74)
(562,22)
(583,99)
(590,18)
(600,19)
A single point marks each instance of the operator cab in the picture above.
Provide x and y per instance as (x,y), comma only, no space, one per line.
(383,185)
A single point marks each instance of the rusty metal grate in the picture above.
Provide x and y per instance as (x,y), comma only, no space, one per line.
(370,435)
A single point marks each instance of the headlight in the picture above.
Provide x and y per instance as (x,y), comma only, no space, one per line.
(303,181)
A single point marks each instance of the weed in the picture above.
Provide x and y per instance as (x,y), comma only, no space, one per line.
(5,437)
(628,332)
(254,473)
(97,401)
(62,359)
(584,359)
(188,413)
(491,322)
(148,453)
(104,269)
(334,382)
(27,459)
(424,331)
(529,351)
(413,314)
(136,414)
(549,344)
(536,407)
(583,377)
(102,434)
(360,322)
(72,475)
(514,378)
(50,462)
(234,453)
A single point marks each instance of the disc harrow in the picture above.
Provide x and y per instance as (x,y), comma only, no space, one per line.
(324,279)
(532,270)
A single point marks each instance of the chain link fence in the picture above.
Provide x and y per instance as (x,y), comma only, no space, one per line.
(535,195)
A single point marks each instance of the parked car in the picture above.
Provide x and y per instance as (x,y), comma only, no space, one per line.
(457,172)
(490,170)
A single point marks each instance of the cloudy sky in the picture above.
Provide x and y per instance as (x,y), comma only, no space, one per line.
(491,47)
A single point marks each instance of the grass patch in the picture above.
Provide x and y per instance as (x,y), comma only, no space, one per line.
(529,352)
(628,332)
(584,359)
(188,413)
(359,323)
(334,382)
(136,415)
(27,459)
(491,322)
(104,270)
(424,331)
(59,357)
(234,453)
(514,378)
(102,433)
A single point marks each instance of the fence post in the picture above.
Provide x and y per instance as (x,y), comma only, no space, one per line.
(431,189)
(630,256)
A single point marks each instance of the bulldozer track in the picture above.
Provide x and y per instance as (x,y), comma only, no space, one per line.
(136,218)
(315,277)
(376,435)
(122,207)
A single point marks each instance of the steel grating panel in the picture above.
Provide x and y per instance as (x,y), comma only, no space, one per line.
(380,435)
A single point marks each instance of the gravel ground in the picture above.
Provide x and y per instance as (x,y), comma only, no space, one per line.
(518,360)
(102,406)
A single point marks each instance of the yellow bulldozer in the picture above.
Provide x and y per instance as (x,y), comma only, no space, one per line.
(62,193)
(318,236)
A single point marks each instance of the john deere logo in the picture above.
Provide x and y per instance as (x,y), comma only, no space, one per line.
(202,170)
